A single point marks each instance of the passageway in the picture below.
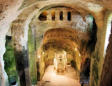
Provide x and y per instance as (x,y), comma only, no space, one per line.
(51,78)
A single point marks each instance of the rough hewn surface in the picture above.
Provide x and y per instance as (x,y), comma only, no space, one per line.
(106,78)
(22,65)
(106,3)
(9,11)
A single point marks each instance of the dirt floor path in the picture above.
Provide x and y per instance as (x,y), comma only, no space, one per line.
(51,78)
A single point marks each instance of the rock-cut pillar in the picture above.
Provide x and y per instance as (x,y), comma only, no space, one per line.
(21,56)
(22,65)
(106,77)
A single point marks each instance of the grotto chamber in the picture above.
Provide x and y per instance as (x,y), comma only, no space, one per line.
(56,45)
(67,47)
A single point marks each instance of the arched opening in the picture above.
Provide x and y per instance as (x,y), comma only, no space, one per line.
(82,32)
(56,57)
(47,45)
(53,15)
(69,16)
(57,52)
(43,16)
(61,15)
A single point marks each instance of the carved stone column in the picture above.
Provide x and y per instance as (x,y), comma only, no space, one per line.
(22,65)
(21,55)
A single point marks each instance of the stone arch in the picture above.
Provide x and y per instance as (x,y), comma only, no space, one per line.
(27,11)
(74,50)
(98,15)
(20,25)
(30,11)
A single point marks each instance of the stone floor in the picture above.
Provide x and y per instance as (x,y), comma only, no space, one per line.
(51,78)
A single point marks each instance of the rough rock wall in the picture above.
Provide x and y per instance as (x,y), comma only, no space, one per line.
(106,78)
(98,56)
(105,3)
(8,12)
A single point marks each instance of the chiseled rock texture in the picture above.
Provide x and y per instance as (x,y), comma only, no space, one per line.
(10,9)
(8,12)
(106,78)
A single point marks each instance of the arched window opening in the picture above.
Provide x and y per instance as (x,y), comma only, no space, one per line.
(53,15)
(61,15)
(43,16)
(69,16)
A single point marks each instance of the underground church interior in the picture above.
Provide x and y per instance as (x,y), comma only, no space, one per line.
(55,42)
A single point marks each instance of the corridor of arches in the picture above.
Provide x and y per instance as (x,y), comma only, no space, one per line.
(57,43)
